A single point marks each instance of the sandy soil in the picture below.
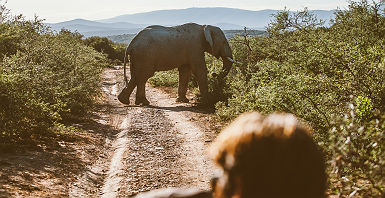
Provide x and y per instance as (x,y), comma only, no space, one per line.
(121,151)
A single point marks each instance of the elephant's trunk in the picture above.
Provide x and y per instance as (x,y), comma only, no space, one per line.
(219,82)
(227,64)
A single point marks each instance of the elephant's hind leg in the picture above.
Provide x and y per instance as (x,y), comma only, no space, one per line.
(141,95)
(124,96)
(184,78)
(200,73)
(141,85)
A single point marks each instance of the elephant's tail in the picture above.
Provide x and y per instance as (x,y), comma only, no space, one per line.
(126,60)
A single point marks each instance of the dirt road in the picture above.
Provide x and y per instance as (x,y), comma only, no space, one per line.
(157,146)
(130,149)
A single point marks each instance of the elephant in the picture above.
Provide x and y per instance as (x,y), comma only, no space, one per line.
(159,48)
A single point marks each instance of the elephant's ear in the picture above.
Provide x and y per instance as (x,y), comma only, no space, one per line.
(208,35)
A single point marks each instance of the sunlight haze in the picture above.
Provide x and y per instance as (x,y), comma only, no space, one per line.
(58,11)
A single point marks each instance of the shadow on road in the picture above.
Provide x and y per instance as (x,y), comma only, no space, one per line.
(181,108)
(47,165)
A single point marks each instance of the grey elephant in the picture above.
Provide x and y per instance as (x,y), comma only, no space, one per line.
(159,48)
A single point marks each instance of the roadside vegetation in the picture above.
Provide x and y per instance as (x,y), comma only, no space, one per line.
(46,78)
(330,75)
(114,51)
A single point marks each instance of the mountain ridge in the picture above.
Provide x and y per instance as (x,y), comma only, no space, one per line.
(225,18)
(212,15)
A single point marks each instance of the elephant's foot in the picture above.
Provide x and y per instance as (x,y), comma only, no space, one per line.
(124,99)
(203,102)
(142,102)
(182,99)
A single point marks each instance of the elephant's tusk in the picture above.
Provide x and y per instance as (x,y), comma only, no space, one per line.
(231,60)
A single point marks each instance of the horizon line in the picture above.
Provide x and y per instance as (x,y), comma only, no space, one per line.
(98,20)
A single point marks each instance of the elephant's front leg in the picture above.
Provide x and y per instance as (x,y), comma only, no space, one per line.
(200,73)
(184,78)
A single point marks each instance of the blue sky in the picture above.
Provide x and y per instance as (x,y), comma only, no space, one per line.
(57,11)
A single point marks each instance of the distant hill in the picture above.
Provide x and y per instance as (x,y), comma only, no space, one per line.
(225,18)
(126,38)
(93,28)
(237,17)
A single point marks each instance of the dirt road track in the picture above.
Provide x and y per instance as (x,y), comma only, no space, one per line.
(121,151)
(158,146)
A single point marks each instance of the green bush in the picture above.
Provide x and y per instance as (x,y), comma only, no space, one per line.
(307,69)
(357,157)
(44,78)
(23,112)
(165,78)
(114,51)
(364,109)
(314,72)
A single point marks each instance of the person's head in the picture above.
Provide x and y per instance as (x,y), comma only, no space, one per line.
(268,157)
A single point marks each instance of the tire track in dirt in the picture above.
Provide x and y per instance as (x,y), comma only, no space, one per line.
(156,147)
(198,165)
(102,177)
(166,149)
(111,183)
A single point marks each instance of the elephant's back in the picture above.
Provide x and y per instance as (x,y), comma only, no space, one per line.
(159,35)
(150,36)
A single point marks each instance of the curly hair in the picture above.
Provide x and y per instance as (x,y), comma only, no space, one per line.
(273,156)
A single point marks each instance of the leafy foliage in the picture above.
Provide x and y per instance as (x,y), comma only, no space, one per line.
(114,51)
(364,109)
(315,72)
(44,77)
(357,157)
(307,69)
(165,78)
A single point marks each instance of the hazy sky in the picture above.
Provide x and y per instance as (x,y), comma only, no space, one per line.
(57,11)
